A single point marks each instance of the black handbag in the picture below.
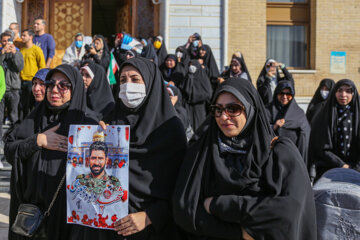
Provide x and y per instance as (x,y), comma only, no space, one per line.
(30,218)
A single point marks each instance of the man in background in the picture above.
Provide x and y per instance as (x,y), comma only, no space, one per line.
(33,61)
(44,40)
(12,62)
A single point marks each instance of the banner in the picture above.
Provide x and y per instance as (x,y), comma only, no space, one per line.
(97,175)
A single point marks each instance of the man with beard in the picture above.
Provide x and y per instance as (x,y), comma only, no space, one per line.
(97,180)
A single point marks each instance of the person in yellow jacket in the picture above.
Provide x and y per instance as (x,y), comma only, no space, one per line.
(33,61)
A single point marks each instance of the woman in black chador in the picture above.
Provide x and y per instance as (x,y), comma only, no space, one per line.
(37,148)
(335,136)
(99,96)
(321,94)
(237,180)
(288,119)
(171,70)
(269,78)
(157,147)
(197,92)
(237,68)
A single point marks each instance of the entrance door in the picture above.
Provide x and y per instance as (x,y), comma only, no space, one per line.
(66,18)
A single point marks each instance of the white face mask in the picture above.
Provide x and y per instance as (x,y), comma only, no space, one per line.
(179,54)
(132,94)
(192,69)
(324,94)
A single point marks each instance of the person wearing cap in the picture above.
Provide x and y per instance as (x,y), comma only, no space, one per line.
(38,85)
(75,51)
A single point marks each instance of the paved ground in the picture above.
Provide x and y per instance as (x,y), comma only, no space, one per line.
(4,213)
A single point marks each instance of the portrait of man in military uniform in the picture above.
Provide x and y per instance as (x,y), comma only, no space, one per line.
(97,180)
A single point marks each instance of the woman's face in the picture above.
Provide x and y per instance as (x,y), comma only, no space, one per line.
(235,67)
(230,126)
(344,95)
(202,52)
(86,77)
(129,74)
(98,44)
(284,96)
(59,91)
(324,88)
(170,63)
(38,89)
(271,66)
(79,38)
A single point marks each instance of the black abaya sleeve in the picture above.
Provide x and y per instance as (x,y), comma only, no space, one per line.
(288,75)
(159,214)
(286,207)
(20,149)
(263,87)
(332,160)
(303,141)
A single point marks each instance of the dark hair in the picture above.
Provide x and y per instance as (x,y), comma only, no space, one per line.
(99,146)
(42,20)
(6,33)
(29,31)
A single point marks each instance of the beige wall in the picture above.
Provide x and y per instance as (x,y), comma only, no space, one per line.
(335,26)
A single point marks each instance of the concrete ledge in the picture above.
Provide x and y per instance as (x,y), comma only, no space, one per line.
(295,71)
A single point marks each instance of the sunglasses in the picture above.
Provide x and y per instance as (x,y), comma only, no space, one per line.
(270,65)
(232,110)
(62,86)
(285,94)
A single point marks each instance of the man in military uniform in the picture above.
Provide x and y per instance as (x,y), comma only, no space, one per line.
(97,180)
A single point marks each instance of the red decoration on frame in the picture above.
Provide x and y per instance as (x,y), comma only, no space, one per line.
(127,133)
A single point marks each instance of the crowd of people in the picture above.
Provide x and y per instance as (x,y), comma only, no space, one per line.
(211,155)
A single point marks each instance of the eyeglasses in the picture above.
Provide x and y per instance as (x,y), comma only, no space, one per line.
(346,90)
(62,86)
(285,94)
(232,110)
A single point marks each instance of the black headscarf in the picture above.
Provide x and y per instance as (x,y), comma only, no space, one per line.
(99,95)
(162,51)
(326,148)
(179,107)
(157,146)
(244,69)
(175,74)
(296,126)
(185,59)
(314,104)
(210,63)
(197,92)
(149,52)
(263,82)
(36,172)
(258,190)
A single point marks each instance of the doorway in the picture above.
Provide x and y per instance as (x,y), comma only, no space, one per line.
(110,17)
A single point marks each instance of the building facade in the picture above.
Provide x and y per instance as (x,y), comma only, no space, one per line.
(316,39)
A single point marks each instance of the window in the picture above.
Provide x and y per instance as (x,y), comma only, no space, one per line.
(288,28)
